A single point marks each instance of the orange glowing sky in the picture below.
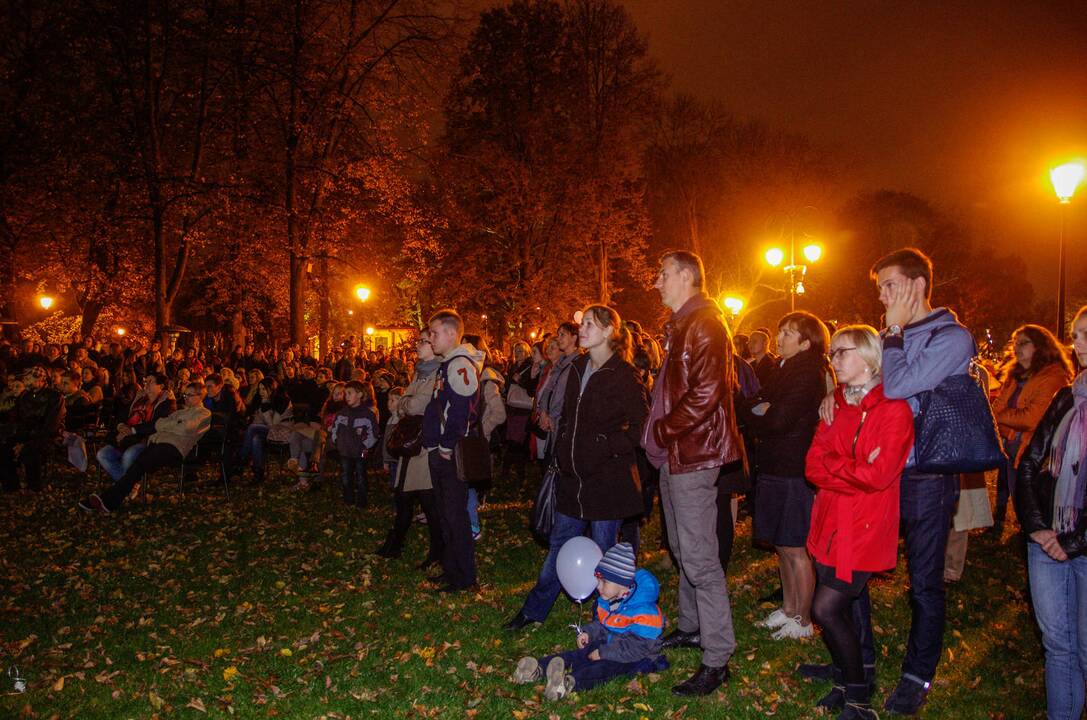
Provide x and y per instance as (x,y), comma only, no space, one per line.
(964,103)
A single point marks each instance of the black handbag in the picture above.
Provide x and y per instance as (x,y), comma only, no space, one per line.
(472,456)
(406,437)
(955,430)
(542,516)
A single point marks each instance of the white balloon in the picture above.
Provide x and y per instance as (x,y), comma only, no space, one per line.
(576,566)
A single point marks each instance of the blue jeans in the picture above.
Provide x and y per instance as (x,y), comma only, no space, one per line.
(115,461)
(353,479)
(927,505)
(253,445)
(590,673)
(1059,591)
(473,509)
(546,591)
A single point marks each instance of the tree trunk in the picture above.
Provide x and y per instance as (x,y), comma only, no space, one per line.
(8,243)
(324,333)
(91,310)
(297,317)
(604,291)
(162,299)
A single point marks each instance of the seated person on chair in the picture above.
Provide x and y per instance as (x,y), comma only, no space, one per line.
(77,403)
(174,438)
(152,403)
(39,416)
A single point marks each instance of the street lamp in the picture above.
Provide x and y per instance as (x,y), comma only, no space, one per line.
(46,301)
(733,304)
(1065,178)
(794,271)
(120,332)
(362,293)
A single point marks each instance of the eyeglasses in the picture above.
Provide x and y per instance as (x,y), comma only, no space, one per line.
(835,353)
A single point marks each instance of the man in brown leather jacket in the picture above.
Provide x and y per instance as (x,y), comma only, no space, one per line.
(690,434)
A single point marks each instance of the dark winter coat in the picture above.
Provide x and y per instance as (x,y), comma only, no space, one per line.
(1036,485)
(598,440)
(786,430)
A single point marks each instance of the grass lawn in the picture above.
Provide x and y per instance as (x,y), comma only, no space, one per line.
(274,605)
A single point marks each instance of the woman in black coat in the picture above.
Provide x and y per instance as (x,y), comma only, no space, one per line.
(598,486)
(783,418)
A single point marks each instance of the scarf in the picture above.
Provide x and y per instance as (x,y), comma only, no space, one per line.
(1068,460)
(855,393)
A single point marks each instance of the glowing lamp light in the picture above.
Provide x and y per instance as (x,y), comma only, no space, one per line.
(532,334)
(350,312)
(733,304)
(362,293)
(800,288)
(774,257)
(577,316)
(46,302)
(813,252)
(483,317)
(120,332)
(369,331)
(1066,178)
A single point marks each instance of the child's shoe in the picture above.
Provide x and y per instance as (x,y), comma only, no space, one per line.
(292,465)
(528,670)
(559,685)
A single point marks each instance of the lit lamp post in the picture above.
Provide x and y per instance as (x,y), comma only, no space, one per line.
(46,301)
(363,294)
(794,272)
(733,304)
(1065,179)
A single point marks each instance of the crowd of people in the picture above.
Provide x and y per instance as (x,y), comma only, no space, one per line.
(822,434)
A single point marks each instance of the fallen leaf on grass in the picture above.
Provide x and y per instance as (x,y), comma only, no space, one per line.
(197,704)
(155,700)
(230,673)
(59,684)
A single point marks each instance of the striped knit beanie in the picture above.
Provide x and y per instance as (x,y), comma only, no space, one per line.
(617,565)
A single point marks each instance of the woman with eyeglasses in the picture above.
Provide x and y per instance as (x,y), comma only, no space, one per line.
(782,418)
(1036,371)
(855,463)
(1050,496)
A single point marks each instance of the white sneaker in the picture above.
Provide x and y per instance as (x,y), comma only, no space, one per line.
(528,670)
(774,620)
(793,630)
(557,686)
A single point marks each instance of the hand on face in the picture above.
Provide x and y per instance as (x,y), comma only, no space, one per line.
(903,301)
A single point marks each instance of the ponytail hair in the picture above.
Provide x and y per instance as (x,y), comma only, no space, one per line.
(621,341)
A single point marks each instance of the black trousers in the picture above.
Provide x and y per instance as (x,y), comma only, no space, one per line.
(404,503)
(158,455)
(459,556)
(31,458)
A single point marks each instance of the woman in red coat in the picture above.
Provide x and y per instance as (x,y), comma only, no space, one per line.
(855,464)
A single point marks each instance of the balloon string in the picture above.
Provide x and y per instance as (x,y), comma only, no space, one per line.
(577,614)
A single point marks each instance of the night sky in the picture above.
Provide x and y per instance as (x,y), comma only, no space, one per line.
(966,104)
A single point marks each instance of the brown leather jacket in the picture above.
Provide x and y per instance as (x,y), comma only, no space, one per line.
(697,423)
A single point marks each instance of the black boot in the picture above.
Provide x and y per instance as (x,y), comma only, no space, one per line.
(835,699)
(677,639)
(703,682)
(390,548)
(518,622)
(857,705)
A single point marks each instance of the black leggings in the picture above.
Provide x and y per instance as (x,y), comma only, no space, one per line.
(832,609)
(404,504)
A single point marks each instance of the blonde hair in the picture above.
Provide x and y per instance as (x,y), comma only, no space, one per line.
(621,341)
(866,340)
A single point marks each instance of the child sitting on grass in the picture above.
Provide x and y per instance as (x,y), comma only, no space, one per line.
(623,640)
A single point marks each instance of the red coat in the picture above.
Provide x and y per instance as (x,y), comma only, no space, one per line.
(854,522)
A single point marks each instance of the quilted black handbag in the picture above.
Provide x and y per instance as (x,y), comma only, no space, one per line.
(954,430)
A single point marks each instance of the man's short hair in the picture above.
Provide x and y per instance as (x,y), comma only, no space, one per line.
(912,262)
(196,386)
(761,333)
(214,379)
(449,318)
(687,261)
